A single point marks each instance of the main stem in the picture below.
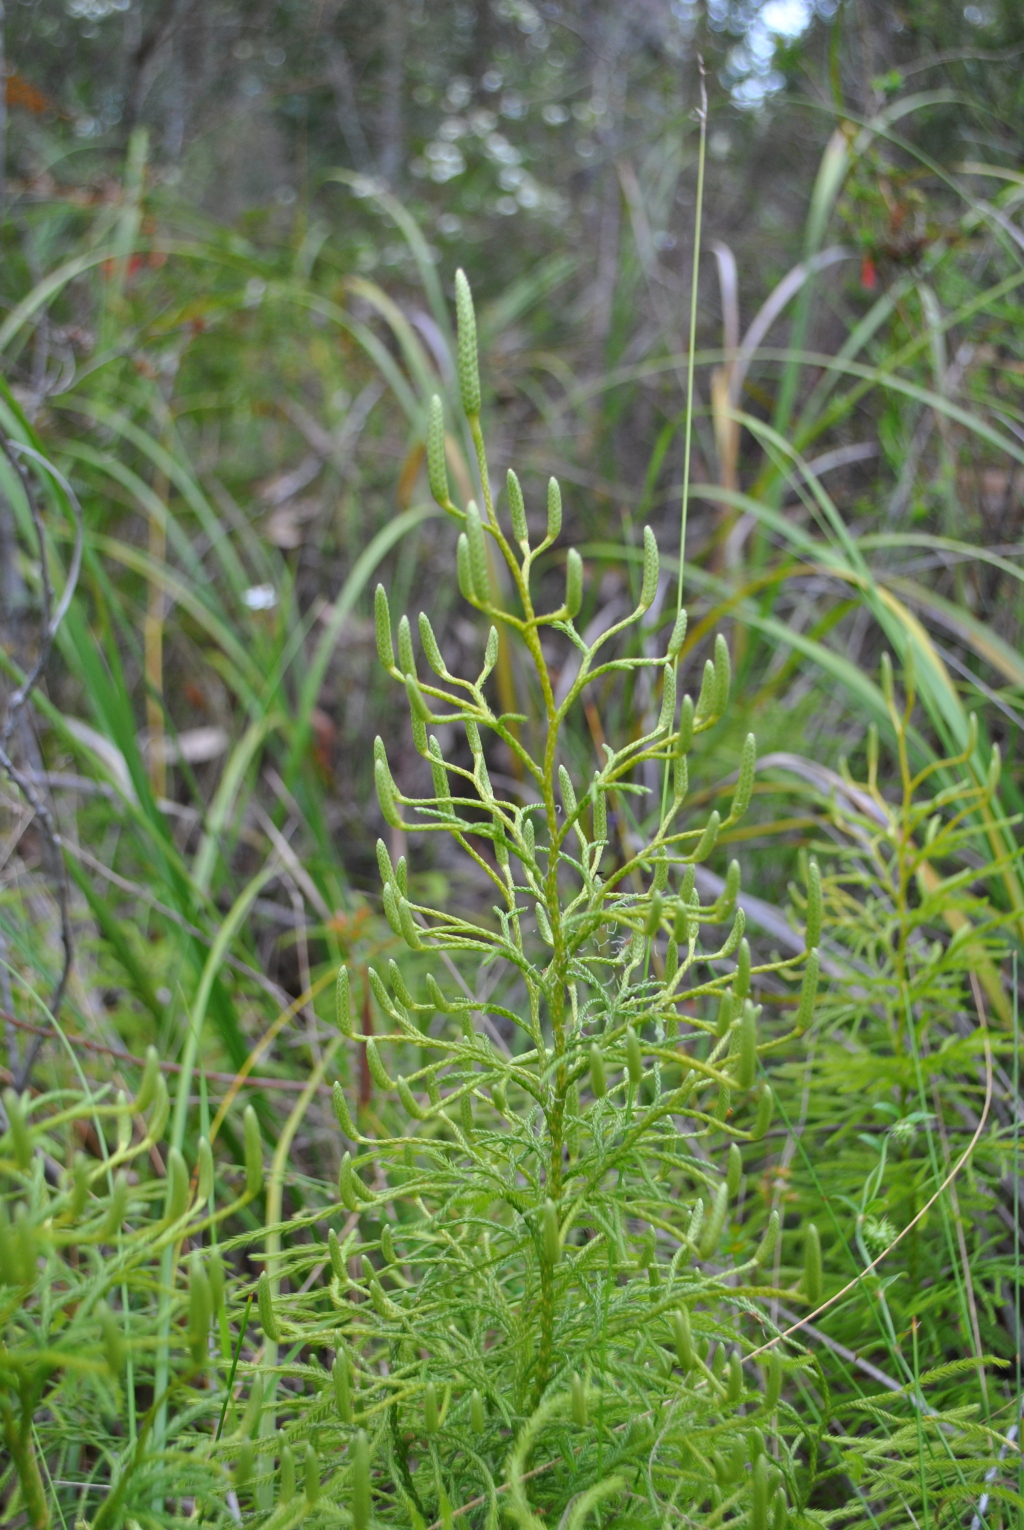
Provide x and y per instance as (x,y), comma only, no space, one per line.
(555,985)
(558,967)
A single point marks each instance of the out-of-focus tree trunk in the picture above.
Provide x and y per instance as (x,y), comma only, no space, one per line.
(612,28)
(169,17)
(346,108)
(485,36)
(392,116)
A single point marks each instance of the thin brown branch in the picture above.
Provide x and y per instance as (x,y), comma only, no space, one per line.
(258,1082)
(52,617)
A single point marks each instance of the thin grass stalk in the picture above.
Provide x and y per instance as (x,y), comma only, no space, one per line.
(153,634)
(692,339)
(169,1259)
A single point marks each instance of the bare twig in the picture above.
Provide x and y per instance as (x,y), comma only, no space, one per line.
(14,451)
(49,826)
(22,692)
(53,615)
(252,1081)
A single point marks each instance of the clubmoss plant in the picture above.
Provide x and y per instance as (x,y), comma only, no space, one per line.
(562,1268)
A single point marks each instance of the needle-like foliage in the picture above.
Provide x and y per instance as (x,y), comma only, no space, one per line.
(555,1311)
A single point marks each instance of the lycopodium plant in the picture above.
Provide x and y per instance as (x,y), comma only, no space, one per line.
(546,1290)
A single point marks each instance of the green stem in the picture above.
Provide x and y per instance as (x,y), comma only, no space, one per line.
(691,346)
(218,951)
(19,1443)
(547,1329)
(229,1384)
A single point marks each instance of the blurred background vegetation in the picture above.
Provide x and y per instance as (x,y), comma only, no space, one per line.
(230,233)
(265,202)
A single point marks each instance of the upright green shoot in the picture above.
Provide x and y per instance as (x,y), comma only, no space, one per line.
(691,346)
